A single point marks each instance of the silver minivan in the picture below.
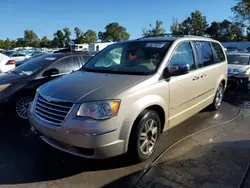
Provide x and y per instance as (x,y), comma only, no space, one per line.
(123,98)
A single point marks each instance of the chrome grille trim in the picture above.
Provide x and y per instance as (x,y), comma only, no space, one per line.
(52,103)
(53,111)
(41,115)
(62,111)
(40,109)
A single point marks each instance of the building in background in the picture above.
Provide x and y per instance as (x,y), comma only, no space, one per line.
(94,47)
(79,47)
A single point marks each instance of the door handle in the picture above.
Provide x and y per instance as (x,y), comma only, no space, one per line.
(196,78)
(203,75)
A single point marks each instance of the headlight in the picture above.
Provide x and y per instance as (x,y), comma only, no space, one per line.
(100,109)
(242,74)
(3,87)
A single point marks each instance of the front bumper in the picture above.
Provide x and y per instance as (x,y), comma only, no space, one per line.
(79,136)
(238,82)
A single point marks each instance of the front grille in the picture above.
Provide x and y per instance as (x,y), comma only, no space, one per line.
(53,111)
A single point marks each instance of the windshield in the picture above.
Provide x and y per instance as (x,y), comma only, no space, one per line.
(34,65)
(129,58)
(238,59)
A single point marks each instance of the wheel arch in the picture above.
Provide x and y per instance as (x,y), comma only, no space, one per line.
(155,107)
(222,80)
(23,92)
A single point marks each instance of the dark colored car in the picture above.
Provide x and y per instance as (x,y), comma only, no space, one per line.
(18,87)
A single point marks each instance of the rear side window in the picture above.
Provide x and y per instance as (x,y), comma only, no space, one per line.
(204,53)
(218,52)
(67,64)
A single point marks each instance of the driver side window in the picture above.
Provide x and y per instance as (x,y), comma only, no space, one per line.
(113,57)
(183,55)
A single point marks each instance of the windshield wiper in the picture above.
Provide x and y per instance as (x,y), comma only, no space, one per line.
(114,71)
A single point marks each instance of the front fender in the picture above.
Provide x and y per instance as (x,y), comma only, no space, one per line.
(144,103)
(136,109)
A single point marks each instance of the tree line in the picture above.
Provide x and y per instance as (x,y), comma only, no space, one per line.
(236,29)
(227,30)
(62,37)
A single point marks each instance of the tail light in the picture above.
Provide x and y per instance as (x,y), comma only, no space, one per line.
(11,62)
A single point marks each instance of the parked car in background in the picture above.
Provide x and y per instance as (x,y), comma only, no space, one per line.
(8,52)
(32,57)
(19,57)
(231,49)
(124,97)
(18,87)
(6,63)
(242,50)
(35,53)
(239,70)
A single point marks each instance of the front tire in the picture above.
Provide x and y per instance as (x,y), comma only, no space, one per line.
(144,136)
(218,98)
(21,105)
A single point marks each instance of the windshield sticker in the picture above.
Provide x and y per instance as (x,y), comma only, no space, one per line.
(155,45)
(50,58)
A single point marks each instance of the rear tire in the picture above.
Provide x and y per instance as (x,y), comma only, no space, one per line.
(218,98)
(144,136)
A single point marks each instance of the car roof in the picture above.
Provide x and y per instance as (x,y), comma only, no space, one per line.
(156,39)
(173,38)
(69,51)
(60,54)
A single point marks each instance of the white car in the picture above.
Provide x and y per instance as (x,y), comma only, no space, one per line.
(6,63)
(239,69)
(19,57)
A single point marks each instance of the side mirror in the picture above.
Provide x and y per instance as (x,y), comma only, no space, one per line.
(166,73)
(177,70)
(51,72)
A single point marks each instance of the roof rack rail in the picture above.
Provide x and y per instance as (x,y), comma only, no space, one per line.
(170,35)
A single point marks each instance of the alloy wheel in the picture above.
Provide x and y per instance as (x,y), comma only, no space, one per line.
(148,136)
(22,106)
(219,97)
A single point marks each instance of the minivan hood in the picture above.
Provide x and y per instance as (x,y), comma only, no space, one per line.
(7,78)
(83,86)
